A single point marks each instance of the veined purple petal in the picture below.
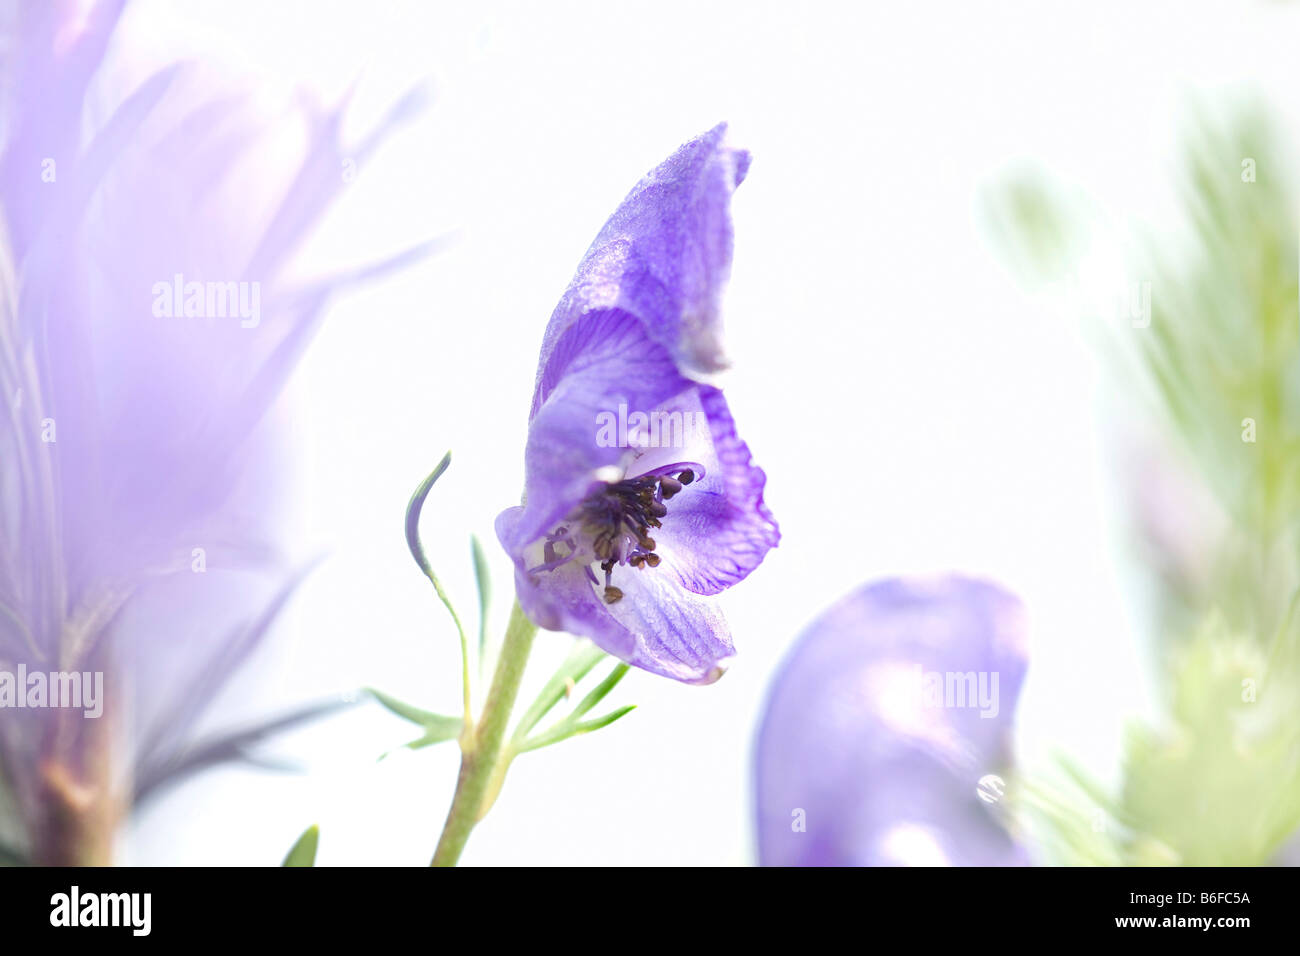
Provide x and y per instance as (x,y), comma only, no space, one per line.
(657,626)
(664,257)
(602,361)
(721,530)
(881,724)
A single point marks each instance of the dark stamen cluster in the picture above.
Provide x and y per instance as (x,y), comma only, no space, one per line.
(619,517)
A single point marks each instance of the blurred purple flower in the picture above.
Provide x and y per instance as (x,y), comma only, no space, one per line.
(626,539)
(148,328)
(891,713)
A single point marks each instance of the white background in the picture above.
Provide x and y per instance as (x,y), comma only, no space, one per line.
(914,409)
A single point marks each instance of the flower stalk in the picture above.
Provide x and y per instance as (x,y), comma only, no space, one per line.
(483,762)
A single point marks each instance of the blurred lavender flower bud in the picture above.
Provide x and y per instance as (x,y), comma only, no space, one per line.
(147,329)
(887,727)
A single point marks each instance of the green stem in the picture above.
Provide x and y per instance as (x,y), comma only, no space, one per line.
(481,750)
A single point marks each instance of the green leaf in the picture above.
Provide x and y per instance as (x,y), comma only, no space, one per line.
(579,663)
(304,851)
(1037,226)
(413,509)
(484,583)
(1090,787)
(600,692)
(437,727)
(566,729)
(419,743)
(576,666)
(1064,824)
(1218,783)
(588,726)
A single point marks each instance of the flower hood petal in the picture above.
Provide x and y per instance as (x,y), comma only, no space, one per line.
(664,257)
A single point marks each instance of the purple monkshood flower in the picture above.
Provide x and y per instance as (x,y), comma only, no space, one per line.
(147,326)
(627,541)
(887,726)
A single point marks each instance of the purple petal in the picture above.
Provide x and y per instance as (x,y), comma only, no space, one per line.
(664,257)
(720,529)
(657,626)
(717,530)
(54,55)
(863,745)
(600,362)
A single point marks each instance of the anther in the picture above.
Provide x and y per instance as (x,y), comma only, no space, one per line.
(617,518)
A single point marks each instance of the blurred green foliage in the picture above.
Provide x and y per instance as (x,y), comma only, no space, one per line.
(1218,781)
